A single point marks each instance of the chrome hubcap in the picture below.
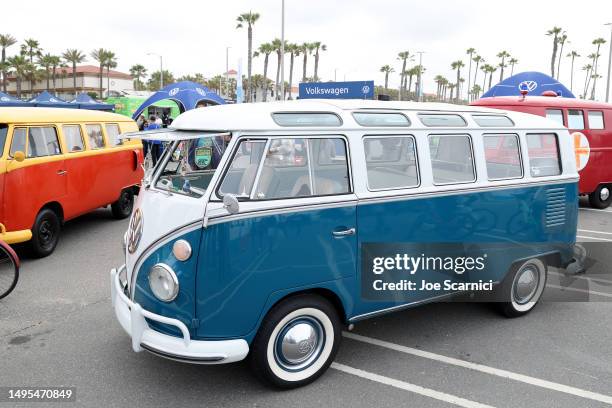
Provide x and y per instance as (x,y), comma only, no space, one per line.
(604,194)
(299,343)
(525,284)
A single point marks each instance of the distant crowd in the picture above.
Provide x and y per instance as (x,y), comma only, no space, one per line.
(153,147)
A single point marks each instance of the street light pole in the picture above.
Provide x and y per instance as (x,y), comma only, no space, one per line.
(420,95)
(609,64)
(282,61)
(227,72)
(161,69)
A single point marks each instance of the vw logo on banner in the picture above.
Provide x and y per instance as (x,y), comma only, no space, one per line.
(173,91)
(365,90)
(201,91)
(5,99)
(528,86)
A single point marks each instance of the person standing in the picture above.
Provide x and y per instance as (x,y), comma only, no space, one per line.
(155,146)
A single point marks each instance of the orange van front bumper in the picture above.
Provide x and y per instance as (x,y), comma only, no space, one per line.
(14,237)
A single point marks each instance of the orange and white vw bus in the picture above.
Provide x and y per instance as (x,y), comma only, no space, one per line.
(57,164)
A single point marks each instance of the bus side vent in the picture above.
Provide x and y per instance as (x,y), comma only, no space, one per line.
(555,207)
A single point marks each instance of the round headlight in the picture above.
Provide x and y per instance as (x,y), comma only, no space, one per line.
(163,282)
(181,250)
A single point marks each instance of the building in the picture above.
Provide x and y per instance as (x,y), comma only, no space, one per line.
(87,80)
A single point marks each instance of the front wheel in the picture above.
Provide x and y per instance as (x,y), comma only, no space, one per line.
(602,197)
(296,342)
(45,233)
(522,288)
(122,208)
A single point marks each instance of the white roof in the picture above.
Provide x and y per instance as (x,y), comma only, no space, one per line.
(258,116)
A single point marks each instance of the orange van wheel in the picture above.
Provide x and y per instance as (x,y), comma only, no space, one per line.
(122,208)
(45,233)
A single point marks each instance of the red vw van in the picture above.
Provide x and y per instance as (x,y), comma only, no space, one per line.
(57,164)
(590,125)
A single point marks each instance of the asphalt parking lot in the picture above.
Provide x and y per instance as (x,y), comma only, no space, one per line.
(58,329)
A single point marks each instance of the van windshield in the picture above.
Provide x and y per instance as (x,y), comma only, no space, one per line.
(191,165)
(3,132)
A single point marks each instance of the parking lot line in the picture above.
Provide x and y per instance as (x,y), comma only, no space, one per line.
(484,369)
(595,209)
(596,232)
(417,389)
(590,292)
(595,238)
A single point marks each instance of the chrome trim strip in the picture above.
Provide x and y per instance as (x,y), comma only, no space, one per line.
(192,226)
(259,169)
(200,360)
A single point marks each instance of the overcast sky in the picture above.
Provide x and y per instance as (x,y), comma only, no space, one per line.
(361,35)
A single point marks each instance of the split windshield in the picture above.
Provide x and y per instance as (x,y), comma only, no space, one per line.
(191,165)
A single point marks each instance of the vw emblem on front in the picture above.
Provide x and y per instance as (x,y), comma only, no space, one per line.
(135,231)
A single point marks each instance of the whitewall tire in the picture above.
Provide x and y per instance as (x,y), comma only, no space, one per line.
(522,288)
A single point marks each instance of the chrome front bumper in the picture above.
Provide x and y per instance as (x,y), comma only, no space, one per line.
(132,316)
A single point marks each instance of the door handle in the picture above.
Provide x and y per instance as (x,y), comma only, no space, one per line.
(61,172)
(344,233)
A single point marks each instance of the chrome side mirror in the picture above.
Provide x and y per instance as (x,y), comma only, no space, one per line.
(231,203)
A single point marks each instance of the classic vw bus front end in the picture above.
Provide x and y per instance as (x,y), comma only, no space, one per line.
(153,294)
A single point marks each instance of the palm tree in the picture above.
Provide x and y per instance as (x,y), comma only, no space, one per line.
(100,55)
(403,56)
(451,86)
(306,49)
(111,62)
(470,51)
(485,69)
(438,79)
(276,44)
(386,69)
(512,61)
(74,56)
(31,48)
(56,62)
(598,42)
(6,40)
(476,89)
(503,55)
(554,32)
(21,66)
(249,19)
(412,72)
(265,49)
(458,65)
(491,70)
(572,55)
(562,39)
(138,72)
(587,68)
(294,51)
(317,46)
(46,61)
(477,59)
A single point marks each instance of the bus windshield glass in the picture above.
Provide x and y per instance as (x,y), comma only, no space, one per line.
(191,165)
(3,132)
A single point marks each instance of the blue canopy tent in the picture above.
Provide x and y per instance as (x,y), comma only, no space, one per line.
(186,94)
(535,83)
(84,101)
(8,100)
(45,99)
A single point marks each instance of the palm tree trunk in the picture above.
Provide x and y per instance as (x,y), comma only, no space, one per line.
(107,81)
(276,84)
(3,71)
(74,78)
(476,72)
(409,85)
(265,79)
(54,87)
(458,84)
(386,80)
(291,73)
(469,78)
(316,68)
(490,79)
(101,83)
(48,80)
(250,64)
(305,66)
(586,83)
(18,81)
(553,58)
(572,76)
(560,57)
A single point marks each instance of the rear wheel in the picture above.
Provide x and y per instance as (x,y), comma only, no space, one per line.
(296,342)
(522,288)
(122,208)
(45,233)
(602,196)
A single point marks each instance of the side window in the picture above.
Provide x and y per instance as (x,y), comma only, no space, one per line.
(543,152)
(575,119)
(42,141)
(303,167)
(452,159)
(19,141)
(391,162)
(503,157)
(73,138)
(596,120)
(112,134)
(94,134)
(556,115)
(240,176)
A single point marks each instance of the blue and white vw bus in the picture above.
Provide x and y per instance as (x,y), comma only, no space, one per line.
(248,237)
